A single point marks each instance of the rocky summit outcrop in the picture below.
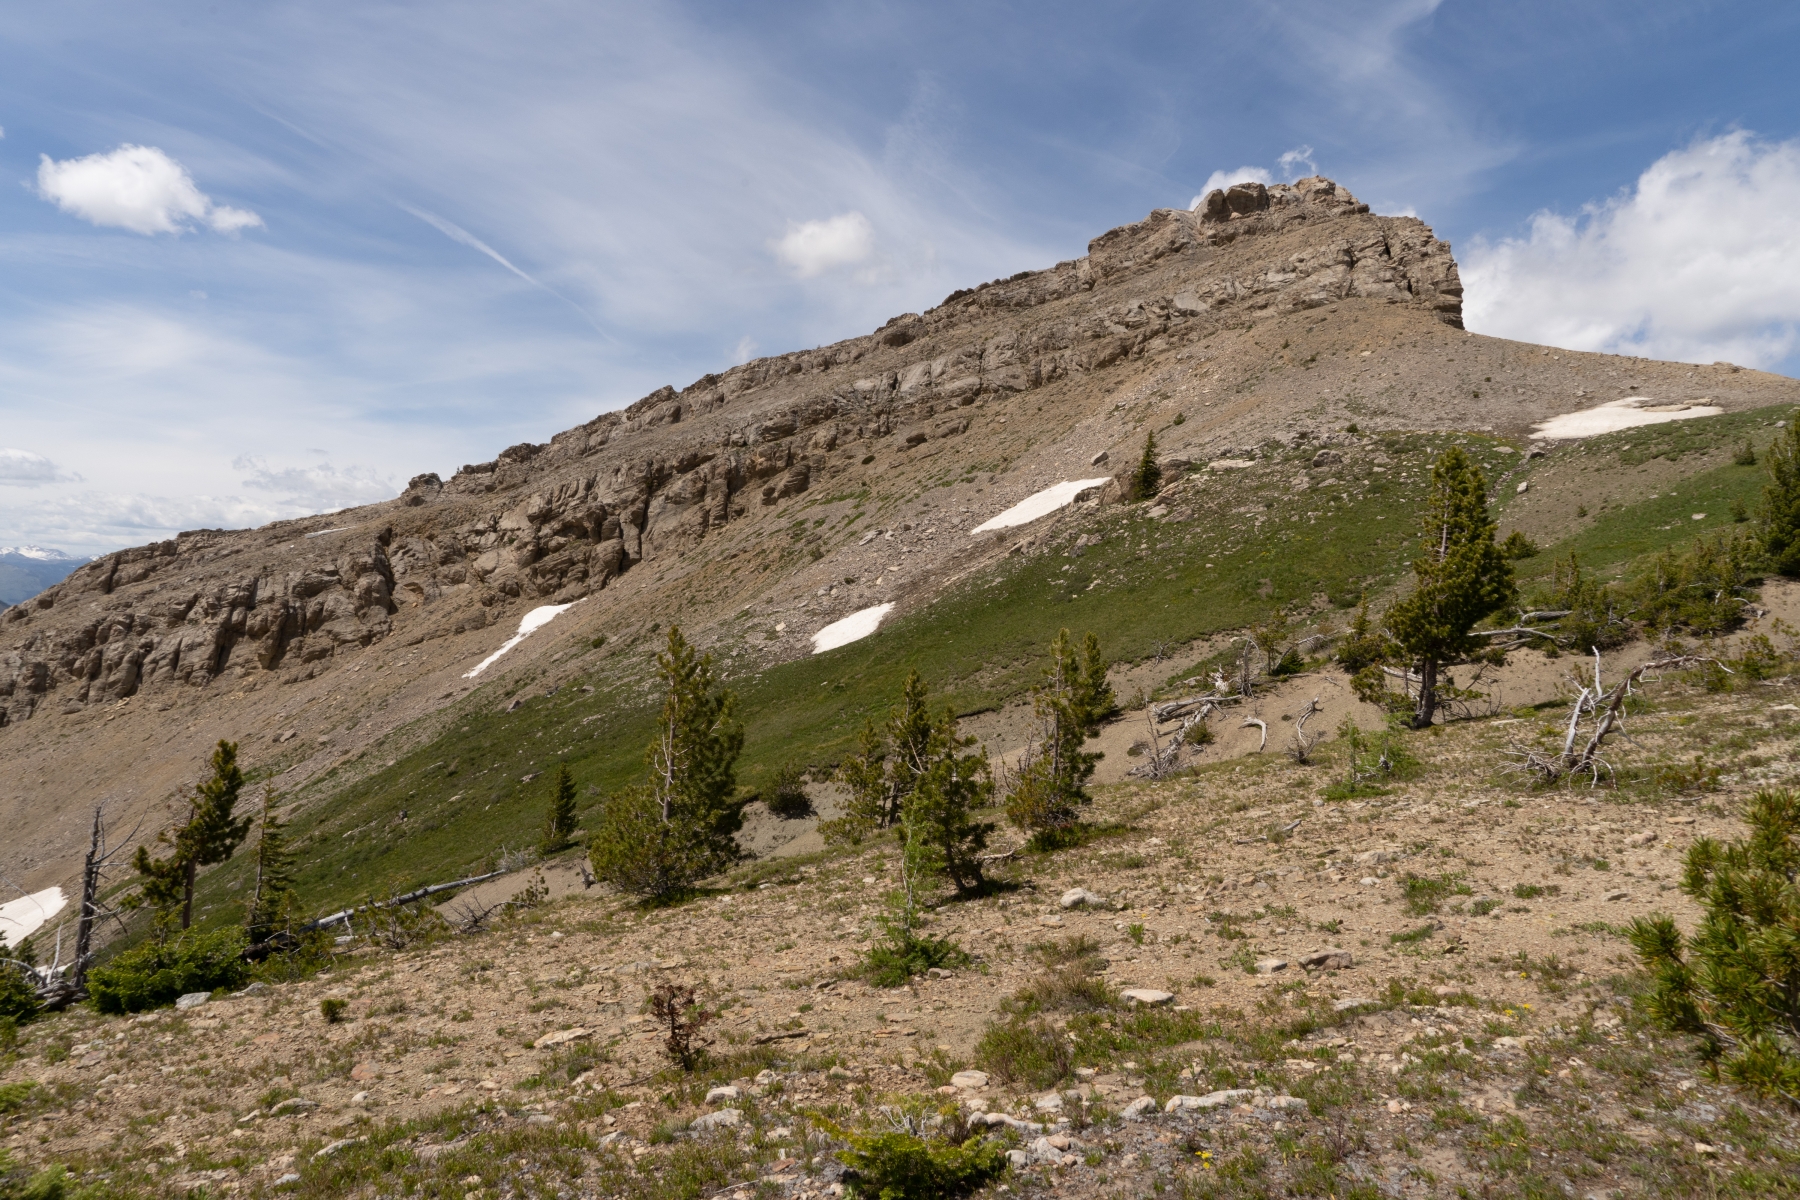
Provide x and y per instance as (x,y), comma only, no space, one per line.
(551,522)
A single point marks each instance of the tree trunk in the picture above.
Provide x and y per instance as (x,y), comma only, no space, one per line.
(1427,707)
(189,869)
(90,889)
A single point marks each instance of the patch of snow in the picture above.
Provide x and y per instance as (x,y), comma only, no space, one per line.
(323,532)
(533,621)
(1042,504)
(1231,464)
(855,627)
(1614,415)
(20,918)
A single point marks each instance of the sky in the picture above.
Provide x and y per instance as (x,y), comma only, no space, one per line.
(260,261)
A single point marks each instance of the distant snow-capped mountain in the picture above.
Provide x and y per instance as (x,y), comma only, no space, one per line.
(27,570)
(40,553)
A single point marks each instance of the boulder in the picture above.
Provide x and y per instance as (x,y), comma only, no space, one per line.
(725,1118)
(969,1080)
(1137,1108)
(722,1095)
(1328,959)
(1077,897)
(1210,1100)
(192,1000)
(1147,996)
(1268,966)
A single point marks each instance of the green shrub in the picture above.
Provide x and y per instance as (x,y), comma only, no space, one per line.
(903,953)
(13,1095)
(1736,982)
(896,1164)
(18,995)
(1025,1050)
(785,793)
(1424,893)
(1702,589)
(1517,545)
(156,973)
(332,1009)
(49,1184)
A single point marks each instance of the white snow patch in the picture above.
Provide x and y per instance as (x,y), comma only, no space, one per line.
(855,627)
(20,918)
(1040,505)
(533,621)
(1621,414)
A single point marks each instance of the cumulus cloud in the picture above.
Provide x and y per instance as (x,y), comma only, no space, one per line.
(1288,166)
(1224,179)
(320,488)
(1698,261)
(24,468)
(814,247)
(137,188)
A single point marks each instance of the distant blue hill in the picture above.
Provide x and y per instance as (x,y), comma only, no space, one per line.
(27,570)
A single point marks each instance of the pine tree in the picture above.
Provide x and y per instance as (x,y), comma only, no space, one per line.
(1070,703)
(1780,516)
(1146,477)
(885,769)
(274,885)
(210,835)
(1462,577)
(660,838)
(953,786)
(864,777)
(560,821)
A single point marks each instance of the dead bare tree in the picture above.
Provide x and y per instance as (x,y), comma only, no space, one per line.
(1607,707)
(59,984)
(1303,742)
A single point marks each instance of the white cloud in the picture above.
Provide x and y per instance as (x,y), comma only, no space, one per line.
(814,247)
(1224,179)
(137,188)
(23,468)
(1291,162)
(1699,261)
(319,488)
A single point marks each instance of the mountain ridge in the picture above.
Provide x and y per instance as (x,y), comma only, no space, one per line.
(740,505)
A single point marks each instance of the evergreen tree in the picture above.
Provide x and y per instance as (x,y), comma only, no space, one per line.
(953,786)
(1070,703)
(210,835)
(886,767)
(560,821)
(660,838)
(1462,577)
(864,776)
(1780,517)
(1146,477)
(274,886)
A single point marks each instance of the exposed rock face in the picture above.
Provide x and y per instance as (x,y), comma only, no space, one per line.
(555,521)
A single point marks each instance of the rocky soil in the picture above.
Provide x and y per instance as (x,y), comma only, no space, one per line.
(1422,993)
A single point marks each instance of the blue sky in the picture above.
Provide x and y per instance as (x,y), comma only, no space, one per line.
(359,241)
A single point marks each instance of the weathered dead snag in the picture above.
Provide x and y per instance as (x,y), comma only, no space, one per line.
(1607,708)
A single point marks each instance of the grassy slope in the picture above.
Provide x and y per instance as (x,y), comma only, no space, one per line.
(979,645)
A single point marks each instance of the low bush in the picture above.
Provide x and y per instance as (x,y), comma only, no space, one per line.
(52,1183)
(903,953)
(785,793)
(898,1164)
(18,994)
(1735,983)
(1025,1050)
(157,973)
(332,1009)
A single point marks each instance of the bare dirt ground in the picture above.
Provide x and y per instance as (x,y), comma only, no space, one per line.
(1483,1041)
